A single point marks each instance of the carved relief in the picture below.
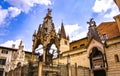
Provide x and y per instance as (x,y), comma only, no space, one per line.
(17,57)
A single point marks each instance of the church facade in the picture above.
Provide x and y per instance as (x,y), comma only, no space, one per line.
(11,58)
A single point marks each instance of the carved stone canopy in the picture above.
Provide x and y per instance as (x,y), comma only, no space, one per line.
(46,36)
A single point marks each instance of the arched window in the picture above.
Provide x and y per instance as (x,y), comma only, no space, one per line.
(116,58)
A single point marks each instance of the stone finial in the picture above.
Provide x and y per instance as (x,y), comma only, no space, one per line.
(21,46)
(49,12)
(20,42)
(93,32)
(92,22)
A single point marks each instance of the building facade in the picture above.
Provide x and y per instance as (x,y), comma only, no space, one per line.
(5,57)
(99,51)
(98,54)
(11,57)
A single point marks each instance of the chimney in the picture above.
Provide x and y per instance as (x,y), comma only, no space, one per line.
(13,46)
(117,20)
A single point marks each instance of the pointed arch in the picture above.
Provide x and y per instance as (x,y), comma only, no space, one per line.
(96,59)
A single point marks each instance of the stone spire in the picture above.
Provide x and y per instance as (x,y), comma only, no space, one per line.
(93,33)
(48,24)
(62,31)
(49,12)
(21,46)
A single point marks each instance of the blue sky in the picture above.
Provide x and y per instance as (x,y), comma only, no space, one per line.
(19,18)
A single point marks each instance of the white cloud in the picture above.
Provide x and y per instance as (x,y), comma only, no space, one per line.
(9,43)
(79,35)
(74,32)
(3,15)
(103,6)
(13,11)
(44,2)
(70,29)
(19,6)
(6,14)
(26,5)
(114,12)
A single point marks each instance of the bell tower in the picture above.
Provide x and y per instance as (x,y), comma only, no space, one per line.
(64,40)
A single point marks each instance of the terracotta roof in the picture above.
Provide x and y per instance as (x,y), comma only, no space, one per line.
(13,49)
(109,28)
